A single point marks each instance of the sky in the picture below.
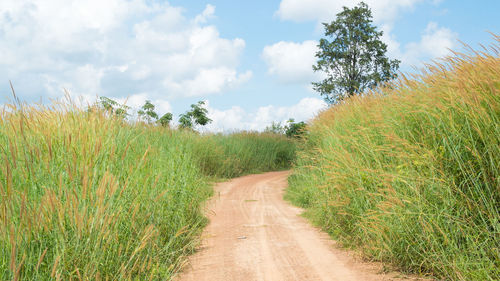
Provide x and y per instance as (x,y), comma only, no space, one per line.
(251,61)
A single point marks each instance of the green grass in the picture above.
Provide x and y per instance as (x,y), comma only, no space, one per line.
(88,197)
(234,155)
(410,175)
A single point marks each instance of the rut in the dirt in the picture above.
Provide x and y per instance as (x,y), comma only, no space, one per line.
(254,235)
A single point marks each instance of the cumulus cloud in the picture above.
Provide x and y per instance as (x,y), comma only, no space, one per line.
(325,10)
(236,118)
(434,43)
(115,48)
(207,14)
(292,62)
(209,81)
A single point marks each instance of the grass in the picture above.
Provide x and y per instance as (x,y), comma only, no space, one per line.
(409,174)
(88,197)
(243,153)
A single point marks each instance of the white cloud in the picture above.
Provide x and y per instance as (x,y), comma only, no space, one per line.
(292,62)
(209,81)
(115,48)
(326,10)
(207,14)
(236,118)
(435,42)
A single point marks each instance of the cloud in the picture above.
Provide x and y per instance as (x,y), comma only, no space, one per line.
(326,10)
(435,42)
(115,48)
(292,62)
(209,81)
(207,14)
(236,118)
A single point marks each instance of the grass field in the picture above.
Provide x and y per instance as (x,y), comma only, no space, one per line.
(410,174)
(89,197)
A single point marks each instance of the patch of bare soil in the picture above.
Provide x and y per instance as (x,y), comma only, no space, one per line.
(255,235)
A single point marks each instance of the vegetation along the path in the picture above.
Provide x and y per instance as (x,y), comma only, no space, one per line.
(86,195)
(409,173)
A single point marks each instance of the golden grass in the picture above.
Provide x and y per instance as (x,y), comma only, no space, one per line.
(409,173)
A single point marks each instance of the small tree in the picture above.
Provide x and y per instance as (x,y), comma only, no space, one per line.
(295,130)
(290,129)
(185,121)
(147,112)
(196,116)
(276,128)
(354,59)
(165,119)
(113,107)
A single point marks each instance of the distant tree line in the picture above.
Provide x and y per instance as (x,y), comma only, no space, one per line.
(291,128)
(197,115)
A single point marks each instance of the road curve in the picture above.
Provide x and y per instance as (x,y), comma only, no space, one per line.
(254,235)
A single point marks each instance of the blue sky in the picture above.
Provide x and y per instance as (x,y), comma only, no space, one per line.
(250,60)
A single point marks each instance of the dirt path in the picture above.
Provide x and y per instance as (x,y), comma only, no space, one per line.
(254,235)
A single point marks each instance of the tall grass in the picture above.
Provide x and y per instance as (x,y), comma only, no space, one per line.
(233,155)
(89,197)
(410,174)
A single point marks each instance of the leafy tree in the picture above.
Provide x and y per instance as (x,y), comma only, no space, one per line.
(113,107)
(196,116)
(295,130)
(354,59)
(276,128)
(199,113)
(185,121)
(165,119)
(147,112)
(290,129)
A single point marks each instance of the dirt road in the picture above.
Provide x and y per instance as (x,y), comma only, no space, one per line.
(254,235)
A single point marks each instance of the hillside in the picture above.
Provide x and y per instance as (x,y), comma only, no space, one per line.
(409,174)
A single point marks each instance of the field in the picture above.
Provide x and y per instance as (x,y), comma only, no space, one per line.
(409,174)
(89,197)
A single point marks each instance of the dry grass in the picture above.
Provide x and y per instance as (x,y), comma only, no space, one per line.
(410,173)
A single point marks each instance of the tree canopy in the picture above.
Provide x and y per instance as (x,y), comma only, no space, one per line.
(196,116)
(290,128)
(113,107)
(164,121)
(147,112)
(354,59)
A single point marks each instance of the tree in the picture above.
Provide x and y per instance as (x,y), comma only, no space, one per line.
(196,116)
(147,112)
(165,119)
(295,130)
(276,128)
(354,59)
(290,129)
(113,107)
(185,121)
